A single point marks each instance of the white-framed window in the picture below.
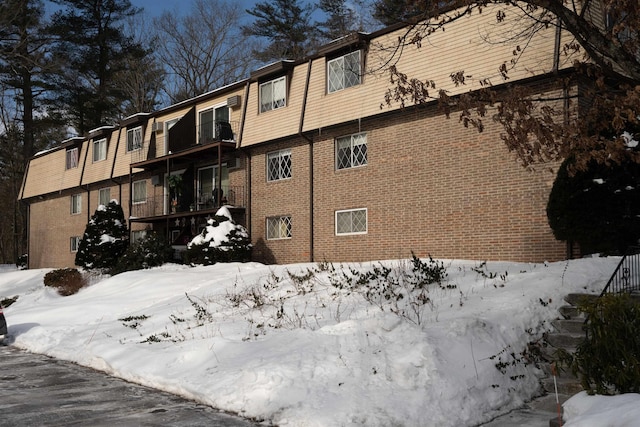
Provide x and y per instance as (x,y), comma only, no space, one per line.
(76,204)
(214,124)
(138,235)
(134,138)
(72,158)
(273,94)
(75,243)
(99,150)
(279,165)
(104,196)
(278,227)
(351,151)
(139,191)
(343,72)
(351,221)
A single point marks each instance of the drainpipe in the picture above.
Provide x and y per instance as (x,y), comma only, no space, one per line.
(86,187)
(310,141)
(556,47)
(247,159)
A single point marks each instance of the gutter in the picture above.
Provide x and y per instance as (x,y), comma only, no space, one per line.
(247,158)
(310,141)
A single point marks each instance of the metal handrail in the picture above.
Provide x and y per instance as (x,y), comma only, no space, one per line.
(626,276)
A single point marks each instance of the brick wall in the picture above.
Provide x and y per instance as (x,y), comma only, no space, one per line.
(430,186)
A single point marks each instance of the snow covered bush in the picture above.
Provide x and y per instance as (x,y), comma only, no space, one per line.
(105,239)
(150,251)
(67,281)
(222,240)
(599,207)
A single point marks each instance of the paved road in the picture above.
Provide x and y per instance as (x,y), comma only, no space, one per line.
(39,391)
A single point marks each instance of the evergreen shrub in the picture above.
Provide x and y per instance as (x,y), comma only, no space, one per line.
(150,251)
(222,240)
(608,360)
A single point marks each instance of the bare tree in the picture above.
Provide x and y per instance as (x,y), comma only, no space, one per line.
(203,50)
(606,49)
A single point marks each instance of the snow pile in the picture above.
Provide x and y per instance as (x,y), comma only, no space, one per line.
(302,345)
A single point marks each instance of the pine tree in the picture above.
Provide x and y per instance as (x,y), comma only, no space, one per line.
(94,50)
(341,19)
(390,12)
(105,239)
(286,24)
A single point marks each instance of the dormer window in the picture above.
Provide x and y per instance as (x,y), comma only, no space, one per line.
(134,138)
(273,94)
(72,158)
(343,72)
(99,150)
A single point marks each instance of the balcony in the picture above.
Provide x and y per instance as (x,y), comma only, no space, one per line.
(162,207)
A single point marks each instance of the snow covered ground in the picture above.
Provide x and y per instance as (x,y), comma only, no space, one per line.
(306,345)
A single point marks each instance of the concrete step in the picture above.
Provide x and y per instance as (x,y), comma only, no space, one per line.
(572,326)
(565,340)
(564,372)
(555,422)
(568,386)
(570,312)
(576,298)
(548,402)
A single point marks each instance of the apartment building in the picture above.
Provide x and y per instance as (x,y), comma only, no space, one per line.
(311,160)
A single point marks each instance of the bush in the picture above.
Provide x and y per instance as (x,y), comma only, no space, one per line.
(105,238)
(68,281)
(22,262)
(222,240)
(150,251)
(599,208)
(608,360)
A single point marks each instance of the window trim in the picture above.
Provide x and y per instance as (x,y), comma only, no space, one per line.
(351,145)
(131,147)
(133,192)
(100,142)
(76,202)
(214,131)
(272,82)
(280,154)
(71,161)
(278,226)
(352,233)
(342,57)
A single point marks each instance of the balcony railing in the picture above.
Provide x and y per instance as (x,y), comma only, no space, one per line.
(196,135)
(626,277)
(163,205)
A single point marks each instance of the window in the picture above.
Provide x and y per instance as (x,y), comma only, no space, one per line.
(353,221)
(76,204)
(273,94)
(72,158)
(343,72)
(279,165)
(75,243)
(214,125)
(140,191)
(279,227)
(134,138)
(100,150)
(104,196)
(351,151)
(138,235)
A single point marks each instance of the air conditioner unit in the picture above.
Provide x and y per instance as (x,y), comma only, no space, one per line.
(233,101)
(157,127)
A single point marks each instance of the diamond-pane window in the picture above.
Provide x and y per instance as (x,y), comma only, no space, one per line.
(279,165)
(279,228)
(343,72)
(352,221)
(351,151)
(273,95)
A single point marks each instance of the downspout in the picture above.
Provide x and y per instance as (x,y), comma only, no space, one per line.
(310,140)
(113,168)
(556,47)
(84,165)
(27,219)
(247,158)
